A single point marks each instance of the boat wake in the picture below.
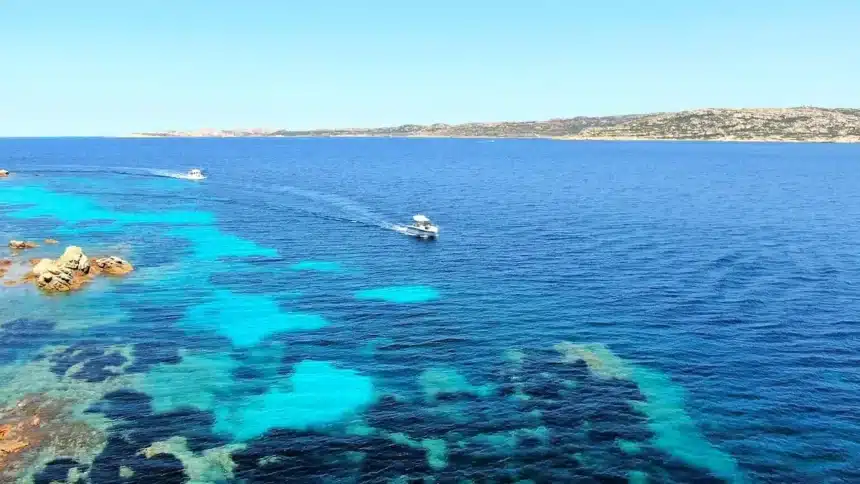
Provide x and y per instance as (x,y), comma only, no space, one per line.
(349,209)
(341,209)
(331,207)
(172,174)
(90,170)
(323,205)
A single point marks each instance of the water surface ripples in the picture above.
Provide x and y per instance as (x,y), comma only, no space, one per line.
(594,312)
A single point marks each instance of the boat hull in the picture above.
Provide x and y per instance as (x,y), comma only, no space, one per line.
(421,234)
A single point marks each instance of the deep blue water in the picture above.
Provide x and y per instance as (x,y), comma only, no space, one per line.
(593,312)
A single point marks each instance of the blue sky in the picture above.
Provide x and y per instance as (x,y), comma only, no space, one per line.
(96,67)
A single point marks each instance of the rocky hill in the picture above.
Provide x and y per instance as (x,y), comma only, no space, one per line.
(791,124)
(552,128)
(766,124)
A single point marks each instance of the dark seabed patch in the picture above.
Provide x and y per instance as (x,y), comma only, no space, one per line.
(21,338)
(60,470)
(138,428)
(89,361)
(317,265)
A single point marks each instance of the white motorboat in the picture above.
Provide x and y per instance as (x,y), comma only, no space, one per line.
(195,174)
(422,228)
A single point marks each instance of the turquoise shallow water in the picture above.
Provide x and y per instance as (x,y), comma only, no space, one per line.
(593,312)
(399,294)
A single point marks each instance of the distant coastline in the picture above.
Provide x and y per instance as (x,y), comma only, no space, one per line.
(801,124)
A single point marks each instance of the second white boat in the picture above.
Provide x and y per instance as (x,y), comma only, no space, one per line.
(195,174)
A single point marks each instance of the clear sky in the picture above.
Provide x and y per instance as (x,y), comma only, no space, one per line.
(99,67)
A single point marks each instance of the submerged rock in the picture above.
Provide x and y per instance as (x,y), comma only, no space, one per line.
(114,266)
(51,241)
(599,359)
(21,244)
(210,465)
(4,266)
(10,441)
(35,423)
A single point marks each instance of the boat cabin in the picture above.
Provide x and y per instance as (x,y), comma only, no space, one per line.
(422,222)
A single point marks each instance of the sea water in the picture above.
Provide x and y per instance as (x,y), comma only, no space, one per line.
(593,312)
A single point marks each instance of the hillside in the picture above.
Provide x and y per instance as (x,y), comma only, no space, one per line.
(553,128)
(766,124)
(792,124)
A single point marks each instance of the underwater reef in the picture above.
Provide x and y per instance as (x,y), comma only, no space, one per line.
(572,413)
(4,266)
(39,424)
